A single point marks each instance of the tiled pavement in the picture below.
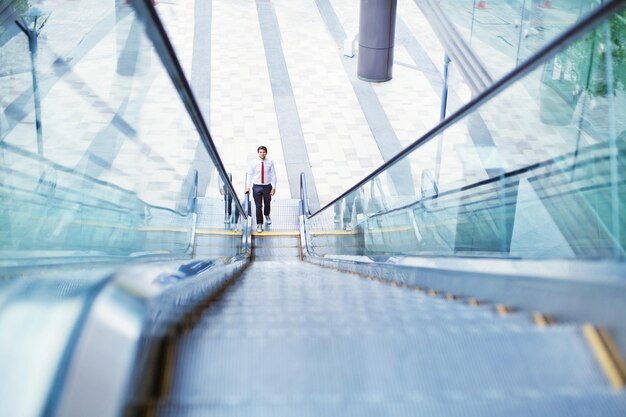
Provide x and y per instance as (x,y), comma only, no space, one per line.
(336,119)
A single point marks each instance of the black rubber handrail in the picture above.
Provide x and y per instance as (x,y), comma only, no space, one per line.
(157,34)
(304,197)
(558,44)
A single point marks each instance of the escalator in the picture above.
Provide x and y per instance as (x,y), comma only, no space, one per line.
(290,338)
(461,278)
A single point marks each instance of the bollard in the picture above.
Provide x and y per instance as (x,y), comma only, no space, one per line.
(377,26)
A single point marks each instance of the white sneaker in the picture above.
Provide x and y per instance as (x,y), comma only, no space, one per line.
(259,228)
(268,220)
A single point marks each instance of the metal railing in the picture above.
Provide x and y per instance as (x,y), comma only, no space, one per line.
(157,34)
(522,70)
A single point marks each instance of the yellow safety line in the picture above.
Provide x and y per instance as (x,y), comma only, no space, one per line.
(542,320)
(288,233)
(218,232)
(332,232)
(503,310)
(613,350)
(472,302)
(607,355)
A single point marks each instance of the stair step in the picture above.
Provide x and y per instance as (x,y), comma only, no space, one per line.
(452,404)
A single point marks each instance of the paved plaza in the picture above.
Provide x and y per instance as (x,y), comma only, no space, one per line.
(279,77)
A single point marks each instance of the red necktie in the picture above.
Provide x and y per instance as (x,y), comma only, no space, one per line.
(262,173)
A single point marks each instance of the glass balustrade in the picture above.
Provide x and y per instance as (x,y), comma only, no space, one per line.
(504,33)
(99,155)
(102,162)
(533,172)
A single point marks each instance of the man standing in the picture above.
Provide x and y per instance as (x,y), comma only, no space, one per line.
(262,178)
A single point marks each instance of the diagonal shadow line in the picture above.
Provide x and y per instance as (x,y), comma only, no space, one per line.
(22,106)
(118,122)
(382,131)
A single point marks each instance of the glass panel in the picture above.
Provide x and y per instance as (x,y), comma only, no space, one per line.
(536,171)
(38,317)
(98,155)
(504,33)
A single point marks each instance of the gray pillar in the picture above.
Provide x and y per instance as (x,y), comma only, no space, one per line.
(377,27)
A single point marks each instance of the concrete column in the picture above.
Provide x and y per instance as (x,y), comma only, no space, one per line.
(377,27)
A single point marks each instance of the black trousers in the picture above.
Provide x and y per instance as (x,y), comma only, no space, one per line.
(262,197)
(229,204)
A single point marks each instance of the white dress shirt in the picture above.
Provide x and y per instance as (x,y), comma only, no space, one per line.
(254,173)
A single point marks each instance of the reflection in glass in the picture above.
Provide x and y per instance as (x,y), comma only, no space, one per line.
(505,33)
(537,171)
(98,154)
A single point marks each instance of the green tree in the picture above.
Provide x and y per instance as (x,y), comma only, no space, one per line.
(618,40)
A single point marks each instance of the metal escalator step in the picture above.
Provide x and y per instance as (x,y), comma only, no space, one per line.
(313,362)
(451,405)
(291,338)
